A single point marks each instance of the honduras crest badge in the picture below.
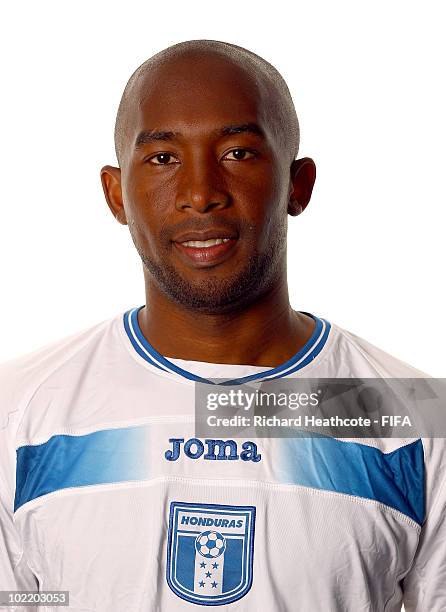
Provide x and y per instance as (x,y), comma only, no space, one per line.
(210,552)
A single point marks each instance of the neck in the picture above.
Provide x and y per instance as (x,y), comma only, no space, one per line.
(264,333)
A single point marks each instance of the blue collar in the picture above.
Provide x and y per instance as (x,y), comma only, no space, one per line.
(305,355)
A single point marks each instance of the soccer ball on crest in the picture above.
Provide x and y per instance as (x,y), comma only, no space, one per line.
(210,544)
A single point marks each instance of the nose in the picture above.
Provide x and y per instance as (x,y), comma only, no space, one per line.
(200,187)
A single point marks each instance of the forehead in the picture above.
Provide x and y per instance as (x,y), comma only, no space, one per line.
(200,93)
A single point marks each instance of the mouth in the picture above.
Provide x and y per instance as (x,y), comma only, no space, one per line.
(205,249)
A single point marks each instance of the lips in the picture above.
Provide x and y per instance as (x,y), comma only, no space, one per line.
(201,244)
(214,232)
(206,248)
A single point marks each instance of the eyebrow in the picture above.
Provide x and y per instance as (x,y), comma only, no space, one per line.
(147,136)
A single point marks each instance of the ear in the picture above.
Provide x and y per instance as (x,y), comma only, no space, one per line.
(111,184)
(302,178)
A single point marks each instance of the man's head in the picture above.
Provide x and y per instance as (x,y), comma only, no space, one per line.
(206,138)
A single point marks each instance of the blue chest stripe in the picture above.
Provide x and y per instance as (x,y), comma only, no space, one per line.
(106,456)
(395,479)
(119,455)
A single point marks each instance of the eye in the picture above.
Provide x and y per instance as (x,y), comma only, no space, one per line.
(162,159)
(239,155)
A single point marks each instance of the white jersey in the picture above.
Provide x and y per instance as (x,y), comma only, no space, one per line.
(106,493)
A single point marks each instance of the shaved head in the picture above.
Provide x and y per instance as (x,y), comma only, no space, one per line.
(265,80)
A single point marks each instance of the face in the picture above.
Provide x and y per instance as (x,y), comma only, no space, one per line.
(204,186)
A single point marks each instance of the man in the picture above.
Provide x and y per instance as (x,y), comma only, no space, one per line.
(105,489)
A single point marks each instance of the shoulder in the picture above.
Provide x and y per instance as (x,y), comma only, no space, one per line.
(369,359)
(365,359)
(22,376)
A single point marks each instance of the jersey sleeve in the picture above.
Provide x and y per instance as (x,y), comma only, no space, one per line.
(14,571)
(424,587)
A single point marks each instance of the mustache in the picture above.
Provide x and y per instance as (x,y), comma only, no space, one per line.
(196,225)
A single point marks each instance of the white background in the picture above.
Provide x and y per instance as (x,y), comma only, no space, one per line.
(369,88)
